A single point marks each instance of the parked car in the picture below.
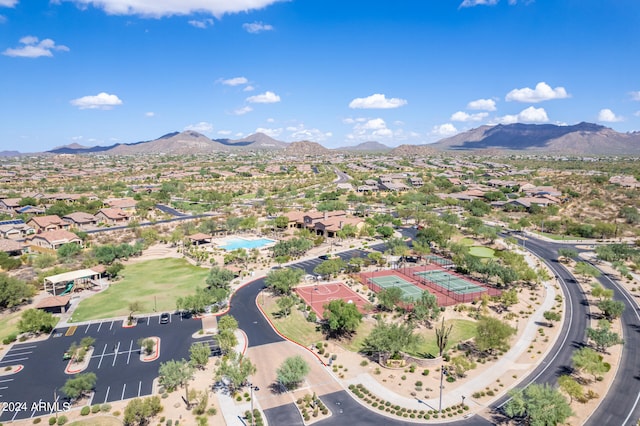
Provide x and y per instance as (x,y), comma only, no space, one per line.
(164,318)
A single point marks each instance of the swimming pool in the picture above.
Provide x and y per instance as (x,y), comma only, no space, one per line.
(238,243)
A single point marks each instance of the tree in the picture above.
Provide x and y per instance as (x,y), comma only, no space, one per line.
(567,253)
(138,411)
(587,270)
(385,231)
(571,387)
(587,360)
(551,317)
(114,269)
(13,291)
(236,369)
(134,306)
(388,340)
(425,309)
(492,333)
(461,364)
(603,338)
(601,293)
(342,317)
(509,298)
(540,405)
(147,345)
(219,278)
(67,251)
(389,298)
(282,281)
(285,303)
(174,374)
(611,309)
(376,257)
(227,340)
(199,354)
(78,385)
(292,371)
(36,321)
(330,267)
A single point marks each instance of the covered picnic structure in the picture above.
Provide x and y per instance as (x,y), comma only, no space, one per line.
(67,281)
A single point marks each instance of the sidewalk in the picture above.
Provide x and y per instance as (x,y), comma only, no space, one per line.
(232,411)
(454,396)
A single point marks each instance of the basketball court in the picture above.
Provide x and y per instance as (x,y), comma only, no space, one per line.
(318,295)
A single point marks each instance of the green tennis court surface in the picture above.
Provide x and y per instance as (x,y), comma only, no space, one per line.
(431,258)
(409,291)
(450,282)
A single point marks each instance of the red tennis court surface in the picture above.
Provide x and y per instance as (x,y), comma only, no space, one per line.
(319,295)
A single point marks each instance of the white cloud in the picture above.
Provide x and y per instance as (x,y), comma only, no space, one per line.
(271,120)
(100,101)
(635,95)
(472,3)
(150,114)
(257,27)
(637,113)
(201,23)
(249,88)
(446,129)
(608,116)
(529,115)
(264,98)
(366,129)
(34,48)
(482,104)
(465,117)
(224,132)
(377,101)
(8,3)
(274,133)
(235,81)
(243,110)
(201,127)
(157,8)
(542,92)
(300,132)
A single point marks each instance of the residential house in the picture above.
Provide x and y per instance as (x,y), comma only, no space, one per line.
(53,239)
(48,223)
(11,247)
(329,227)
(80,220)
(113,216)
(416,182)
(9,205)
(15,229)
(126,204)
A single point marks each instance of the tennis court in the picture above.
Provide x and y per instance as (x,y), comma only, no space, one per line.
(409,291)
(450,282)
(432,258)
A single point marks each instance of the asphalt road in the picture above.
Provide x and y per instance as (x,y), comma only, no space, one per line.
(115,361)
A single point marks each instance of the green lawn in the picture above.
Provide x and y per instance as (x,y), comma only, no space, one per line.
(481,251)
(9,324)
(467,242)
(97,421)
(295,326)
(155,283)
(556,236)
(462,330)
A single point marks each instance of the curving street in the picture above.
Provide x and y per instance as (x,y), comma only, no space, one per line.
(619,407)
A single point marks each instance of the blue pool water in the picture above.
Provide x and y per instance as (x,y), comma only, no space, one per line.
(238,243)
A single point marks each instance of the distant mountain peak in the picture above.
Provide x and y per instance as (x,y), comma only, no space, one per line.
(366,146)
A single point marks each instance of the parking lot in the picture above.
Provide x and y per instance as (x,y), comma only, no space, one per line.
(115,360)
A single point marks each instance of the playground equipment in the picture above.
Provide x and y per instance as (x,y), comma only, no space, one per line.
(68,288)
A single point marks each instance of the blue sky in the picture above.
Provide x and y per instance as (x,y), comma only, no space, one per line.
(97,72)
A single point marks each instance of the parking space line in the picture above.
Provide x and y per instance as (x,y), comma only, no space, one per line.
(14,415)
(18,353)
(148,319)
(123,389)
(102,355)
(111,326)
(54,404)
(14,360)
(25,347)
(99,325)
(6,380)
(129,355)
(115,354)
(4,387)
(87,329)
(139,388)
(107,395)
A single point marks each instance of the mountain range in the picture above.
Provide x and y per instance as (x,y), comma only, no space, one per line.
(578,139)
